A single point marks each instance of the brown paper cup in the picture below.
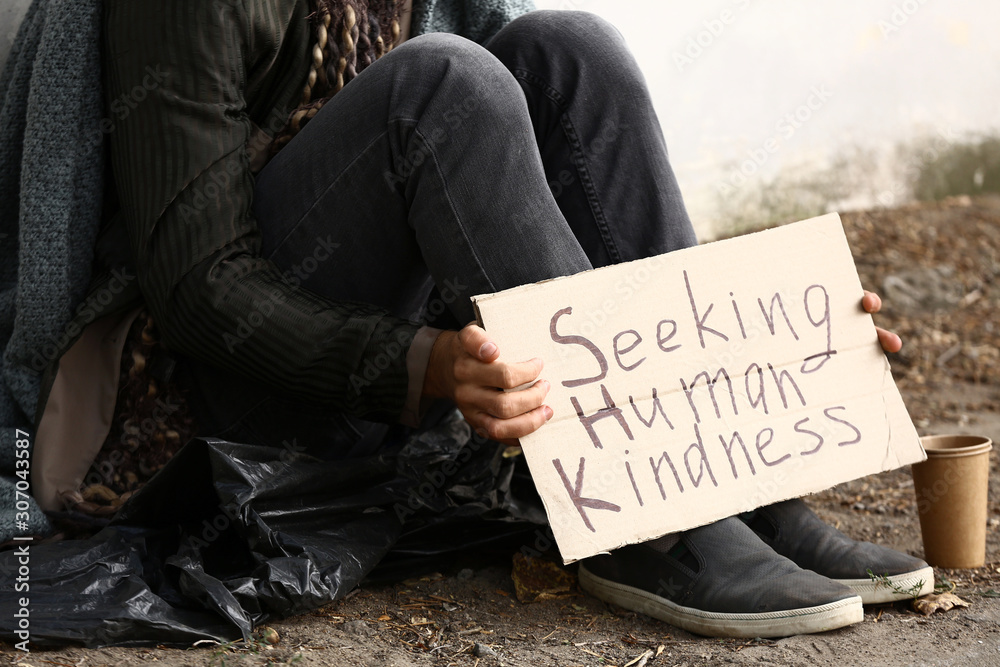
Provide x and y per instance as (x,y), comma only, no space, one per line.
(951,487)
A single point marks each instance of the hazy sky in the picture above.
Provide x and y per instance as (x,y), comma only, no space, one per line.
(724,74)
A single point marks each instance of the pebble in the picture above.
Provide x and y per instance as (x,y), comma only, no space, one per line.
(483,651)
(466,573)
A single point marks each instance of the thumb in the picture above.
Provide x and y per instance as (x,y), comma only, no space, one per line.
(476,342)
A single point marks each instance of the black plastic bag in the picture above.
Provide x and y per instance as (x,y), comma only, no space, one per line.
(227,536)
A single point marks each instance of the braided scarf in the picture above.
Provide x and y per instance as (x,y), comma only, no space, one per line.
(344,46)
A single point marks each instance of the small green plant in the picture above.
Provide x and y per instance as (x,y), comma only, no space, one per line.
(884,580)
(944,585)
(237,648)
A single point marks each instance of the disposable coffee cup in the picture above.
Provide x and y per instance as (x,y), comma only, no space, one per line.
(951,487)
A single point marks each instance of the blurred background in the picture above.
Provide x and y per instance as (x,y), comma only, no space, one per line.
(775,110)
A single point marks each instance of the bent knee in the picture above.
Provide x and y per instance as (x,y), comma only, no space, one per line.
(558,28)
(571,44)
(445,64)
(437,55)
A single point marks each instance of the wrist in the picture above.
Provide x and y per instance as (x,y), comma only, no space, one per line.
(437,380)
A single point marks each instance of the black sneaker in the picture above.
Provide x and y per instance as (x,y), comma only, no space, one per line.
(720,580)
(794,531)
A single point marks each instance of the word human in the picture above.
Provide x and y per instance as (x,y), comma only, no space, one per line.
(689,415)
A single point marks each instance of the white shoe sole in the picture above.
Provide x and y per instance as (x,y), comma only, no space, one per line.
(714,624)
(900,587)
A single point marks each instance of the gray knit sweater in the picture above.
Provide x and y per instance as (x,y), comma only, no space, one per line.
(51,188)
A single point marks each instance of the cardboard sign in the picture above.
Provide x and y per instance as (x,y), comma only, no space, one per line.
(702,383)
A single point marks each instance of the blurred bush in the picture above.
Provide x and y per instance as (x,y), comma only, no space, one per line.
(962,168)
(927,168)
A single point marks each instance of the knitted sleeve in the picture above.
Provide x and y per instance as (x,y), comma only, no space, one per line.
(477,20)
(182,172)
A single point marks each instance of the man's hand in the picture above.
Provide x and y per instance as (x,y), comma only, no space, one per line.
(890,342)
(465,367)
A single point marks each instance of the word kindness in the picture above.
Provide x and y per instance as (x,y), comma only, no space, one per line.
(710,397)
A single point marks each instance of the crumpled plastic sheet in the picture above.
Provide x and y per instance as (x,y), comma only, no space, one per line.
(228,536)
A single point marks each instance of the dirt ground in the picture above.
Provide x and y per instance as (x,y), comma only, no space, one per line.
(937,267)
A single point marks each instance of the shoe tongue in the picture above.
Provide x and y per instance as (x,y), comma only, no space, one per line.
(684,556)
(673,546)
(758,522)
(664,544)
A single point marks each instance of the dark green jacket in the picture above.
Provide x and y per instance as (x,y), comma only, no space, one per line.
(187,85)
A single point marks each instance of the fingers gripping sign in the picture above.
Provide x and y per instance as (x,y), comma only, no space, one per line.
(466,367)
(872,303)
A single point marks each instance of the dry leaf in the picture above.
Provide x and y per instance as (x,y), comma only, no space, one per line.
(536,579)
(512,452)
(929,604)
(640,660)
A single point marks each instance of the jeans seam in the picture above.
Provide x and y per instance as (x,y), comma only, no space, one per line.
(320,195)
(451,207)
(579,157)
(539,82)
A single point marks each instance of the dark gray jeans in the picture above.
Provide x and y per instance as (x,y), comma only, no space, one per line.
(445,164)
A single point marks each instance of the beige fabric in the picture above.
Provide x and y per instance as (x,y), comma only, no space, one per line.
(417,359)
(77,416)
